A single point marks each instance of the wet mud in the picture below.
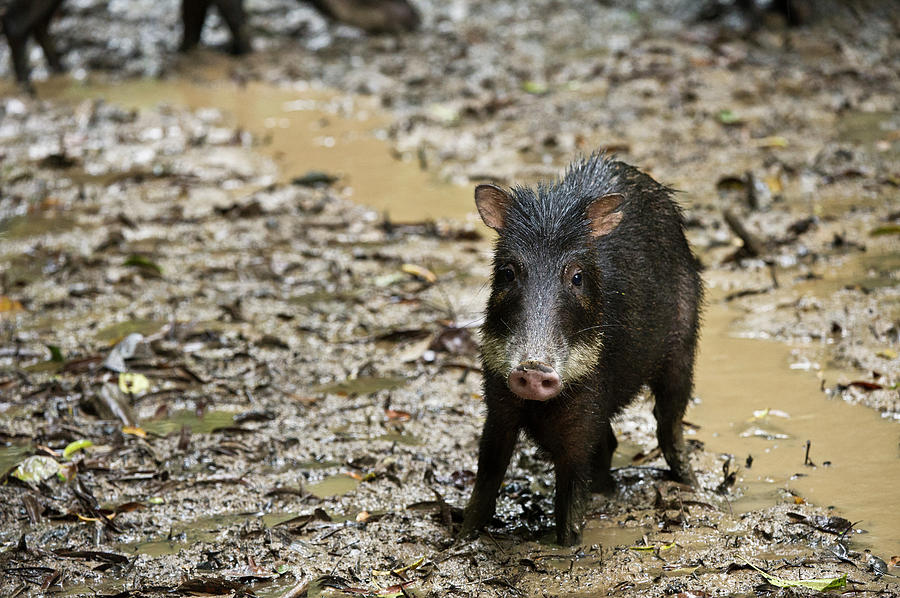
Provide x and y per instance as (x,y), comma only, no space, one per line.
(306,415)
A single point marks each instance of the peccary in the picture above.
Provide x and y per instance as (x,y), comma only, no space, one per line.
(594,294)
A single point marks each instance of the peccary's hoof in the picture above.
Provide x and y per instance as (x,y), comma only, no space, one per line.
(466,533)
(568,537)
(186,46)
(684,475)
(240,47)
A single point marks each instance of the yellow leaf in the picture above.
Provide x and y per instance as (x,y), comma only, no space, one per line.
(887,354)
(133,383)
(772,141)
(419,272)
(414,565)
(9,305)
(83,518)
(134,431)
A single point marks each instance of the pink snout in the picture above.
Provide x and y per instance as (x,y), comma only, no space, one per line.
(534,381)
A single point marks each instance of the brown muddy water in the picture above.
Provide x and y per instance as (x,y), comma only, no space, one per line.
(303,129)
(752,404)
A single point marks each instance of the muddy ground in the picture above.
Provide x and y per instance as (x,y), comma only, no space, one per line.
(313,403)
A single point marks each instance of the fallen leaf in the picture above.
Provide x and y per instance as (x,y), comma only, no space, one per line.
(535,88)
(866,385)
(772,141)
(890,229)
(36,469)
(123,350)
(74,447)
(652,548)
(728,117)
(397,415)
(413,565)
(145,264)
(820,585)
(9,305)
(134,384)
(419,272)
(56,353)
(134,431)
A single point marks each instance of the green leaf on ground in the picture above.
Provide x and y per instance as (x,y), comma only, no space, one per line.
(728,117)
(55,353)
(889,229)
(820,585)
(74,447)
(144,263)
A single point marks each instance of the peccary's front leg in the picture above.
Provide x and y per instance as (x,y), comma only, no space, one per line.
(193,16)
(498,439)
(572,494)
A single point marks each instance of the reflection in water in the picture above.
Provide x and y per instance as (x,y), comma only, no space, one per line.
(857,468)
(302,130)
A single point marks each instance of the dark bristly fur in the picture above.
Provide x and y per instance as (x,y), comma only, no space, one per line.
(631,321)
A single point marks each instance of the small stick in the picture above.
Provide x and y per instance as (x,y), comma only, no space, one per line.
(752,244)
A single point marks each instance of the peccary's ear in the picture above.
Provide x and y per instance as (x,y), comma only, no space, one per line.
(602,214)
(492,203)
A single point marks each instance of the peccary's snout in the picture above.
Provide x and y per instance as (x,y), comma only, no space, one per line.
(534,381)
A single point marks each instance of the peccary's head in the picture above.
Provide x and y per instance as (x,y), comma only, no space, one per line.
(543,327)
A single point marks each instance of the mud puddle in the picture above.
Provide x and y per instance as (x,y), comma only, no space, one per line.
(206,529)
(199,424)
(304,130)
(754,405)
(11,455)
(335,485)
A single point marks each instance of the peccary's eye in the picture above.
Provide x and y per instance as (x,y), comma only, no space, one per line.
(506,274)
(576,278)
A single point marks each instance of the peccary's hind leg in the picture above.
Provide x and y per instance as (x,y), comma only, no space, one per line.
(42,35)
(672,391)
(601,478)
(235,18)
(18,21)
